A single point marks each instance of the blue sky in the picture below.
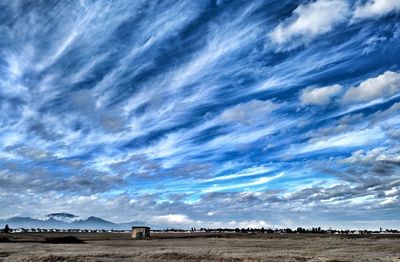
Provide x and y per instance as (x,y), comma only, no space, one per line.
(202,113)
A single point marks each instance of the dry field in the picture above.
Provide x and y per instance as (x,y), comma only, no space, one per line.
(200,247)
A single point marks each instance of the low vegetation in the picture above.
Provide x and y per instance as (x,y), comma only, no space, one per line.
(175,246)
(63,240)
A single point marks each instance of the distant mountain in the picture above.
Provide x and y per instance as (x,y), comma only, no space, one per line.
(66,221)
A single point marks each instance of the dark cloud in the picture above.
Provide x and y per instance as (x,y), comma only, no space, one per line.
(41,181)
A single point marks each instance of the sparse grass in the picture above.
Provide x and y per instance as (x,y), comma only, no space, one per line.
(177,256)
(109,247)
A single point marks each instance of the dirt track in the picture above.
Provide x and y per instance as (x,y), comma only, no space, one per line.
(202,247)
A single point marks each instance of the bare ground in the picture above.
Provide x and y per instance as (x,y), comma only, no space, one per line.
(200,247)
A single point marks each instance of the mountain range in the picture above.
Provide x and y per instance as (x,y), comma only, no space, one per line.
(66,221)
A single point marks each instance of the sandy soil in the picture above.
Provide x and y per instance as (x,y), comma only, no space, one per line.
(202,247)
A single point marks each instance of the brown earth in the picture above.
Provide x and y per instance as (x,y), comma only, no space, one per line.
(198,247)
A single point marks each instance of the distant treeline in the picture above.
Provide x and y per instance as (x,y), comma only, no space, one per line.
(299,230)
(315,230)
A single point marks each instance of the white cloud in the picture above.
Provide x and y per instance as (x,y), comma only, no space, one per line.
(376,8)
(173,219)
(311,20)
(321,16)
(394,191)
(250,112)
(377,154)
(248,224)
(186,222)
(385,85)
(319,96)
(389,200)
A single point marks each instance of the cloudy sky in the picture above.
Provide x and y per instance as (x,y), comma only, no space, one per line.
(202,113)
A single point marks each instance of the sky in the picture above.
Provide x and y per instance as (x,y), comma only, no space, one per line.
(211,113)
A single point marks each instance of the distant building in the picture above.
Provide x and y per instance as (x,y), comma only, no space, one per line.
(140,232)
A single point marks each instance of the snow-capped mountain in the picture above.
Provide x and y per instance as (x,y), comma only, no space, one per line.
(62,217)
(66,221)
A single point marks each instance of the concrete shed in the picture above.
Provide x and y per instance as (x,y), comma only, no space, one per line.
(140,232)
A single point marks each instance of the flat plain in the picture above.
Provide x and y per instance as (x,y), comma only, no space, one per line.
(199,247)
